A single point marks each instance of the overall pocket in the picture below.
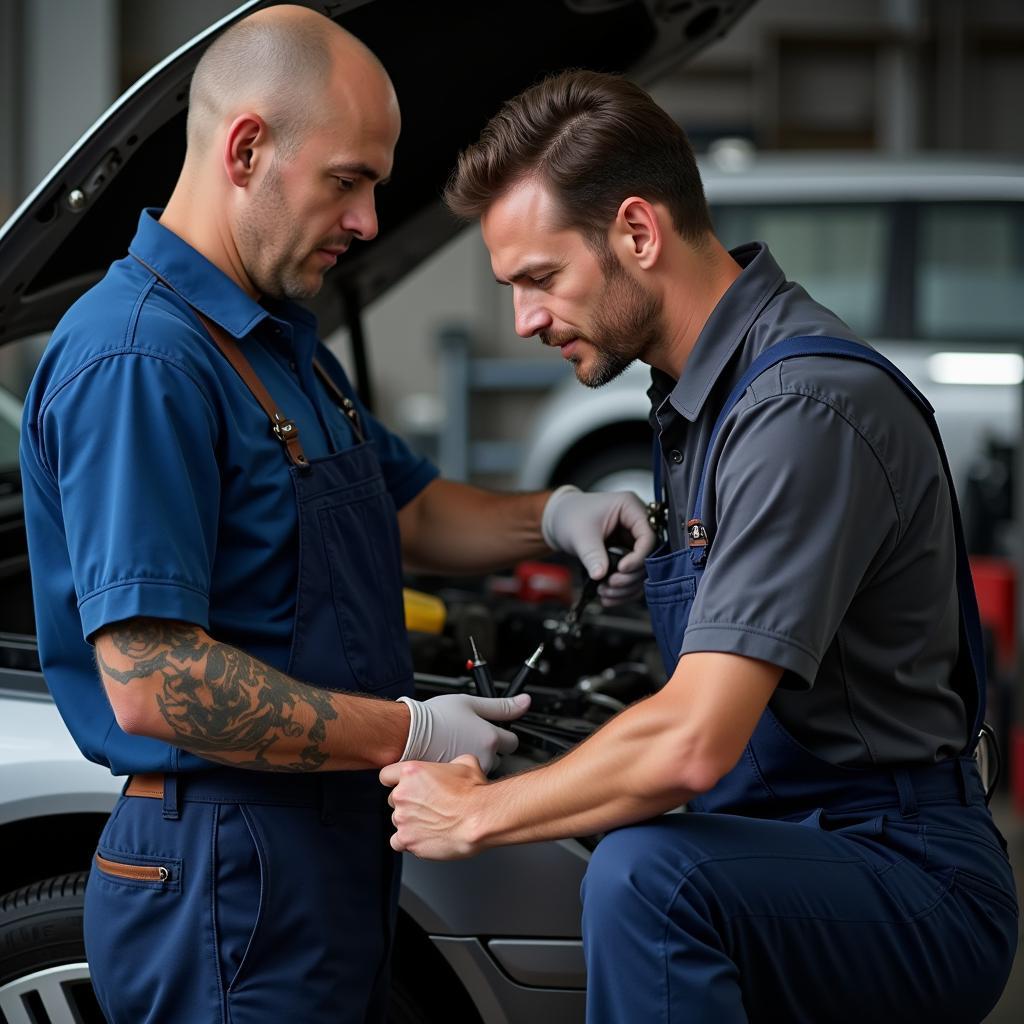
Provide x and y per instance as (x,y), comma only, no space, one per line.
(670,590)
(134,869)
(363,551)
(240,890)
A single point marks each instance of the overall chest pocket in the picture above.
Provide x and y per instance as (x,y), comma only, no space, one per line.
(362,547)
(670,590)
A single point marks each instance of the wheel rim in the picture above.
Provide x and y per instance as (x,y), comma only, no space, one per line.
(50,996)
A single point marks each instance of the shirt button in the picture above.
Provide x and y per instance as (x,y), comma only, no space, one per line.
(294,366)
(676,456)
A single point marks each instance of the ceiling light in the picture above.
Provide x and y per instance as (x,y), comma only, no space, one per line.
(976,368)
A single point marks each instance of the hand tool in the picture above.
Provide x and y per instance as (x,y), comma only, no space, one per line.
(481,672)
(527,670)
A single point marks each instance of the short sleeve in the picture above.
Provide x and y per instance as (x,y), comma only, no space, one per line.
(802,508)
(131,442)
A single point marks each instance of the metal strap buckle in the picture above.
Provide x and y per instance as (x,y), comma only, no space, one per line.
(697,534)
(284,429)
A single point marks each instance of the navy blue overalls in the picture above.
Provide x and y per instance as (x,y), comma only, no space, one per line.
(796,890)
(277,897)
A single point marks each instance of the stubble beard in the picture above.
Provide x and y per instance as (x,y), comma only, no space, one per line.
(270,239)
(626,325)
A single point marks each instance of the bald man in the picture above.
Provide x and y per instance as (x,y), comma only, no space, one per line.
(217,530)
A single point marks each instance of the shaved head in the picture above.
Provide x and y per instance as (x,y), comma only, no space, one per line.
(278,63)
(292,125)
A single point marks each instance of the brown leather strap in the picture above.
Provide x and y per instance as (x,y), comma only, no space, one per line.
(283,428)
(345,403)
(149,785)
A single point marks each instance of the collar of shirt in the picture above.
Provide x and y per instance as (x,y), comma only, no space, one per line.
(725,330)
(206,287)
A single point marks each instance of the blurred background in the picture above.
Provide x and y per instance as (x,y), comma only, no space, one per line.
(876,145)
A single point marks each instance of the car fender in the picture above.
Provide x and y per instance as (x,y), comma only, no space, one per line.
(572,412)
(42,772)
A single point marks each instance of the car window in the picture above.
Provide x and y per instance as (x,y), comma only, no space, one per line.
(970,270)
(837,252)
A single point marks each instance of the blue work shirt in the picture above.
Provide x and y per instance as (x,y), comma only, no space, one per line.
(153,485)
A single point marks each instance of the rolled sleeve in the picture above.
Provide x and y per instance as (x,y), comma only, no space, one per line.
(802,508)
(131,441)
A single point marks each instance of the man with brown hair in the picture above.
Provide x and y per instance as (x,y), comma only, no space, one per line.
(812,604)
(217,530)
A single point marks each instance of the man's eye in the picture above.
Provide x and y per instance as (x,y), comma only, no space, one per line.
(345,184)
(543,281)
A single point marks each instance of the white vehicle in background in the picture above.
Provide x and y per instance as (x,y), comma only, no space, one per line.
(923,257)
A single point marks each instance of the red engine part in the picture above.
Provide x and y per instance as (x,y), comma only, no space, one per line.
(543,581)
(995,585)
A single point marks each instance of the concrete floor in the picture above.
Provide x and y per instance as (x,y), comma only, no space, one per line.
(1011,1007)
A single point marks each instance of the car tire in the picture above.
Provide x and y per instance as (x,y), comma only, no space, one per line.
(42,957)
(625,466)
(43,971)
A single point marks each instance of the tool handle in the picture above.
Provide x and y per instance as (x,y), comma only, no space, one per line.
(517,684)
(483,679)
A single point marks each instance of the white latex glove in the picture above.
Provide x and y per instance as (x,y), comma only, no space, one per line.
(444,727)
(579,523)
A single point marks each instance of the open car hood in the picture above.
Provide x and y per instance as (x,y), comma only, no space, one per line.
(452,65)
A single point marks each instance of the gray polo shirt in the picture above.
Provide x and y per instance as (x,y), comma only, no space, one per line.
(832,554)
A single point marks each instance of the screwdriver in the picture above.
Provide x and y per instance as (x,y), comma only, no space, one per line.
(529,667)
(481,672)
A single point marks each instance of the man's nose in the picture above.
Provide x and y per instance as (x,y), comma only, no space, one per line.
(361,220)
(531,316)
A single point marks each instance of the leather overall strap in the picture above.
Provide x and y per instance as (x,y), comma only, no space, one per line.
(283,428)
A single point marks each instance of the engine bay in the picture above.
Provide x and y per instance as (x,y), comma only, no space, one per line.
(593,664)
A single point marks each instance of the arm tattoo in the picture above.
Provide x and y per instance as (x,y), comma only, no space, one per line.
(217,699)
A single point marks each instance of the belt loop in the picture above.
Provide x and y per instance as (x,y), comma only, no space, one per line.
(905,788)
(171,810)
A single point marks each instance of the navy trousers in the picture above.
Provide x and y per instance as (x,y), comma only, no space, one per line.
(719,919)
(278,903)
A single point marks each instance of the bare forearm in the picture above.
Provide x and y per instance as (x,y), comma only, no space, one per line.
(452,527)
(174,682)
(656,755)
(632,769)
(653,757)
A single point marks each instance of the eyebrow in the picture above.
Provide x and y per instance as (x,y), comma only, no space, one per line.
(538,269)
(359,170)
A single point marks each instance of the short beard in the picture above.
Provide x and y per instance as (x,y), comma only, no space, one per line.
(626,325)
(265,249)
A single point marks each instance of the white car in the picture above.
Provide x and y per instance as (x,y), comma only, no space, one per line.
(923,257)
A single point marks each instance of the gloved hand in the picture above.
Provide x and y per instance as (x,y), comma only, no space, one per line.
(580,524)
(444,727)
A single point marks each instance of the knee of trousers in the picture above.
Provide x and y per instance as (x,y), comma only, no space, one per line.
(634,871)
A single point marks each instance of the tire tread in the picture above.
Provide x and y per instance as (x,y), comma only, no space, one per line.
(28,896)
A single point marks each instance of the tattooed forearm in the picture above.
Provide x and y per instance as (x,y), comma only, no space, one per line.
(218,701)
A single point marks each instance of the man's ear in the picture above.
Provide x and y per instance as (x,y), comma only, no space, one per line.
(637,233)
(246,144)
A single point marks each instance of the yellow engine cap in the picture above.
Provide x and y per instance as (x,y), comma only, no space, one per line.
(424,613)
